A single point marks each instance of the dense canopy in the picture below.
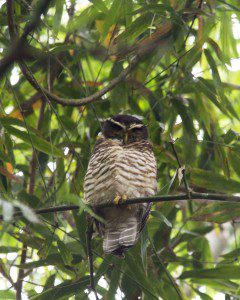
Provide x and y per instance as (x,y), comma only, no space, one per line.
(67,65)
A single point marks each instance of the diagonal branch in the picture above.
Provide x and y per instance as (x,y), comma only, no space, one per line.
(144,49)
(89,233)
(17,50)
(79,102)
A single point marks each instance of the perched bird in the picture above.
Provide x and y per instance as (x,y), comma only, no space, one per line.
(122,166)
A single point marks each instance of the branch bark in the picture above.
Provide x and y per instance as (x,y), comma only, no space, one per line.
(142,49)
(160,198)
(17,50)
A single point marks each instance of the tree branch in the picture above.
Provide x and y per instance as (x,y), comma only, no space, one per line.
(19,46)
(143,49)
(17,50)
(160,198)
(79,102)
(89,233)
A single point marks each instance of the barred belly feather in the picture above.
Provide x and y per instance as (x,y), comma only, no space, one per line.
(120,170)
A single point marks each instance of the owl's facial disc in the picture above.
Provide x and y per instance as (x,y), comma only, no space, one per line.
(125,128)
(113,129)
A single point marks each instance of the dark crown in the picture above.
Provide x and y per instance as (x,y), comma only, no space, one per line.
(126,119)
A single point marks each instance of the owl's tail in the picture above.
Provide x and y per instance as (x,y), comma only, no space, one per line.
(119,236)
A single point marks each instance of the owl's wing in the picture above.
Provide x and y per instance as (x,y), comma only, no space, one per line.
(94,175)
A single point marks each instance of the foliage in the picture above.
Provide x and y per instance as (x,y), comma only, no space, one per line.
(185,87)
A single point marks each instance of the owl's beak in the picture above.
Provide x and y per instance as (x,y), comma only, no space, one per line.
(125,137)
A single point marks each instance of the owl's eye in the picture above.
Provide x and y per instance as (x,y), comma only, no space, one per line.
(136,129)
(116,127)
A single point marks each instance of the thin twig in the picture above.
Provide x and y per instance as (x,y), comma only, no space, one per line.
(89,233)
(175,286)
(18,284)
(181,168)
(176,62)
(17,51)
(190,28)
(109,262)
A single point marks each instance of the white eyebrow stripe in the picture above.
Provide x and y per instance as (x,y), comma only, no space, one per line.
(117,123)
(136,126)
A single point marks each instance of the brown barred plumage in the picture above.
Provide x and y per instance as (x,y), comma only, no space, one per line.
(125,168)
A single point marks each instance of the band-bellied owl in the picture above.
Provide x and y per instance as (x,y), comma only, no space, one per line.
(122,166)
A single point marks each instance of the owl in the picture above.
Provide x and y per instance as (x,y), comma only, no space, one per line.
(122,166)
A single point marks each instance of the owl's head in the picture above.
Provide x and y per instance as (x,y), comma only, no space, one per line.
(126,128)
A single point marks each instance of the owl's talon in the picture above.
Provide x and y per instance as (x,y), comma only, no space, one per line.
(124,197)
(129,207)
(117,199)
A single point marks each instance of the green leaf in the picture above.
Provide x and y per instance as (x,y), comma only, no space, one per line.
(27,212)
(230,136)
(99,4)
(63,290)
(58,15)
(78,21)
(65,253)
(4,157)
(7,295)
(114,280)
(230,272)
(7,209)
(135,29)
(88,209)
(8,249)
(203,296)
(217,212)
(234,158)
(216,76)
(38,142)
(222,285)
(51,259)
(159,215)
(45,249)
(112,17)
(210,92)
(9,146)
(10,121)
(213,181)
(136,269)
(232,254)
(120,89)
(49,282)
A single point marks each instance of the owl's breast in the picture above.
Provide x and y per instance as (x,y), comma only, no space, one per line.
(114,169)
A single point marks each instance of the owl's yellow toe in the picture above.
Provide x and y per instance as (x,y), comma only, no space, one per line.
(117,199)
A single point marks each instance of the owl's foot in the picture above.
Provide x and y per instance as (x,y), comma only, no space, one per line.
(117,199)
(124,197)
